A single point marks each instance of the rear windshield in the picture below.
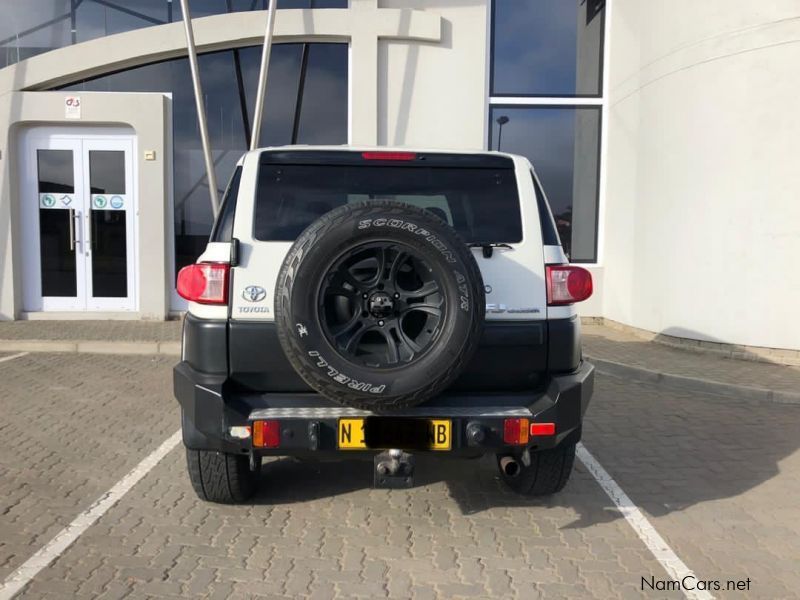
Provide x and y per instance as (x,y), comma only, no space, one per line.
(481,204)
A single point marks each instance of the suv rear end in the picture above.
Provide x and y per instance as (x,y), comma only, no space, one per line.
(516,385)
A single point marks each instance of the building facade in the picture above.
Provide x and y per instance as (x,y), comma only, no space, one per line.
(660,132)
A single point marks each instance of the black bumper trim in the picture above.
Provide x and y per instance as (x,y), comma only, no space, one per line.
(210,409)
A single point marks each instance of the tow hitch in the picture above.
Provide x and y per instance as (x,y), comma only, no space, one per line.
(394,469)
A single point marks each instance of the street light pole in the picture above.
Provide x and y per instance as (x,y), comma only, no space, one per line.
(501,120)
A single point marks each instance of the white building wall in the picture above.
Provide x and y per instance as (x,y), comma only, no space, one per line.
(433,95)
(702,222)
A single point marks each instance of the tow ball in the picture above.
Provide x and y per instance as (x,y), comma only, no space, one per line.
(394,469)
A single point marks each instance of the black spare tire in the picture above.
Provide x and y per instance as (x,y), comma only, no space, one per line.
(379,305)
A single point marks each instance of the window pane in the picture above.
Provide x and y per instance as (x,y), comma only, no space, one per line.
(323,117)
(223,227)
(107,171)
(56,173)
(563,144)
(547,47)
(38,26)
(109,254)
(56,176)
(291,197)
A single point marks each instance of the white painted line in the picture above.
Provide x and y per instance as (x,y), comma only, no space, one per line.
(673,565)
(13,356)
(64,539)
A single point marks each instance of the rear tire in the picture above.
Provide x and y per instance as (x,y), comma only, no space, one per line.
(390,275)
(221,477)
(547,474)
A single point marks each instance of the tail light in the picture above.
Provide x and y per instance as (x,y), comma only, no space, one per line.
(205,283)
(266,434)
(567,284)
(515,432)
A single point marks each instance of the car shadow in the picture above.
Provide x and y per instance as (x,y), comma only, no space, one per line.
(669,449)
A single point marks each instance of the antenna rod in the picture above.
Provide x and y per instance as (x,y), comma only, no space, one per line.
(262,75)
(201,109)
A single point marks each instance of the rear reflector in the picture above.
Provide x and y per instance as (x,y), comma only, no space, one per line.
(567,284)
(388,155)
(266,434)
(543,429)
(204,283)
(515,432)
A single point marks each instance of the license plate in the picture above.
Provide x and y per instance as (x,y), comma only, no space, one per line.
(394,432)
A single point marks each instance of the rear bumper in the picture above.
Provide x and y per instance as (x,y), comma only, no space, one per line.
(309,421)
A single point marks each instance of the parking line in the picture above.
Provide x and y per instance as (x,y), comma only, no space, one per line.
(673,565)
(65,538)
(13,356)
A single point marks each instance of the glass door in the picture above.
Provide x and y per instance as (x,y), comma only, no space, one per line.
(57,210)
(109,221)
(79,210)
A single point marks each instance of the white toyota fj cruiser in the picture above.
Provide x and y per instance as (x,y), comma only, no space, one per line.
(374,302)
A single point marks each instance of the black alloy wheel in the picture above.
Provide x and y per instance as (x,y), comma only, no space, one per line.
(381,305)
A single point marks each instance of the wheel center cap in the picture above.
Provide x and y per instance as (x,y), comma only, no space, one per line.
(380,305)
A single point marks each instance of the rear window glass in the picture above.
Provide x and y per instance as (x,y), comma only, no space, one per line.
(223,227)
(481,204)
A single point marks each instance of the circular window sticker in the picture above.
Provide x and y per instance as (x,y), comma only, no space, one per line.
(100,201)
(117,202)
(48,201)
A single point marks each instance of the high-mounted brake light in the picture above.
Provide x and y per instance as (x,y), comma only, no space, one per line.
(204,283)
(388,155)
(567,284)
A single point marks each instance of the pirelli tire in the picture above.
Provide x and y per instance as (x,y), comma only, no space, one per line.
(379,305)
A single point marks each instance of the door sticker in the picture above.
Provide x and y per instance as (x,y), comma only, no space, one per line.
(53,201)
(103,202)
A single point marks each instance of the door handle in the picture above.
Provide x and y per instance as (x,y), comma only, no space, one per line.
(72,229)
(90,231)
(92,224)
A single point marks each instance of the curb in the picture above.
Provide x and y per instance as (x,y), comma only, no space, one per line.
(693,384)
(91,347)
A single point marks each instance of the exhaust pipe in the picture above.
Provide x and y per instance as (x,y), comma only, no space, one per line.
(510,466)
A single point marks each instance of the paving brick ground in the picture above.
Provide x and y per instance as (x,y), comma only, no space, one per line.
(718,479)
(71,426)
(618,346)
(122,331)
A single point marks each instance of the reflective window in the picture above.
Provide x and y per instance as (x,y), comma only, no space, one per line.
(563,143)
(314,112)
(223,227)
(482,205)
(107,171)
(56,175)
(37,26)
(109,230)
(547,47)
(56,172)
